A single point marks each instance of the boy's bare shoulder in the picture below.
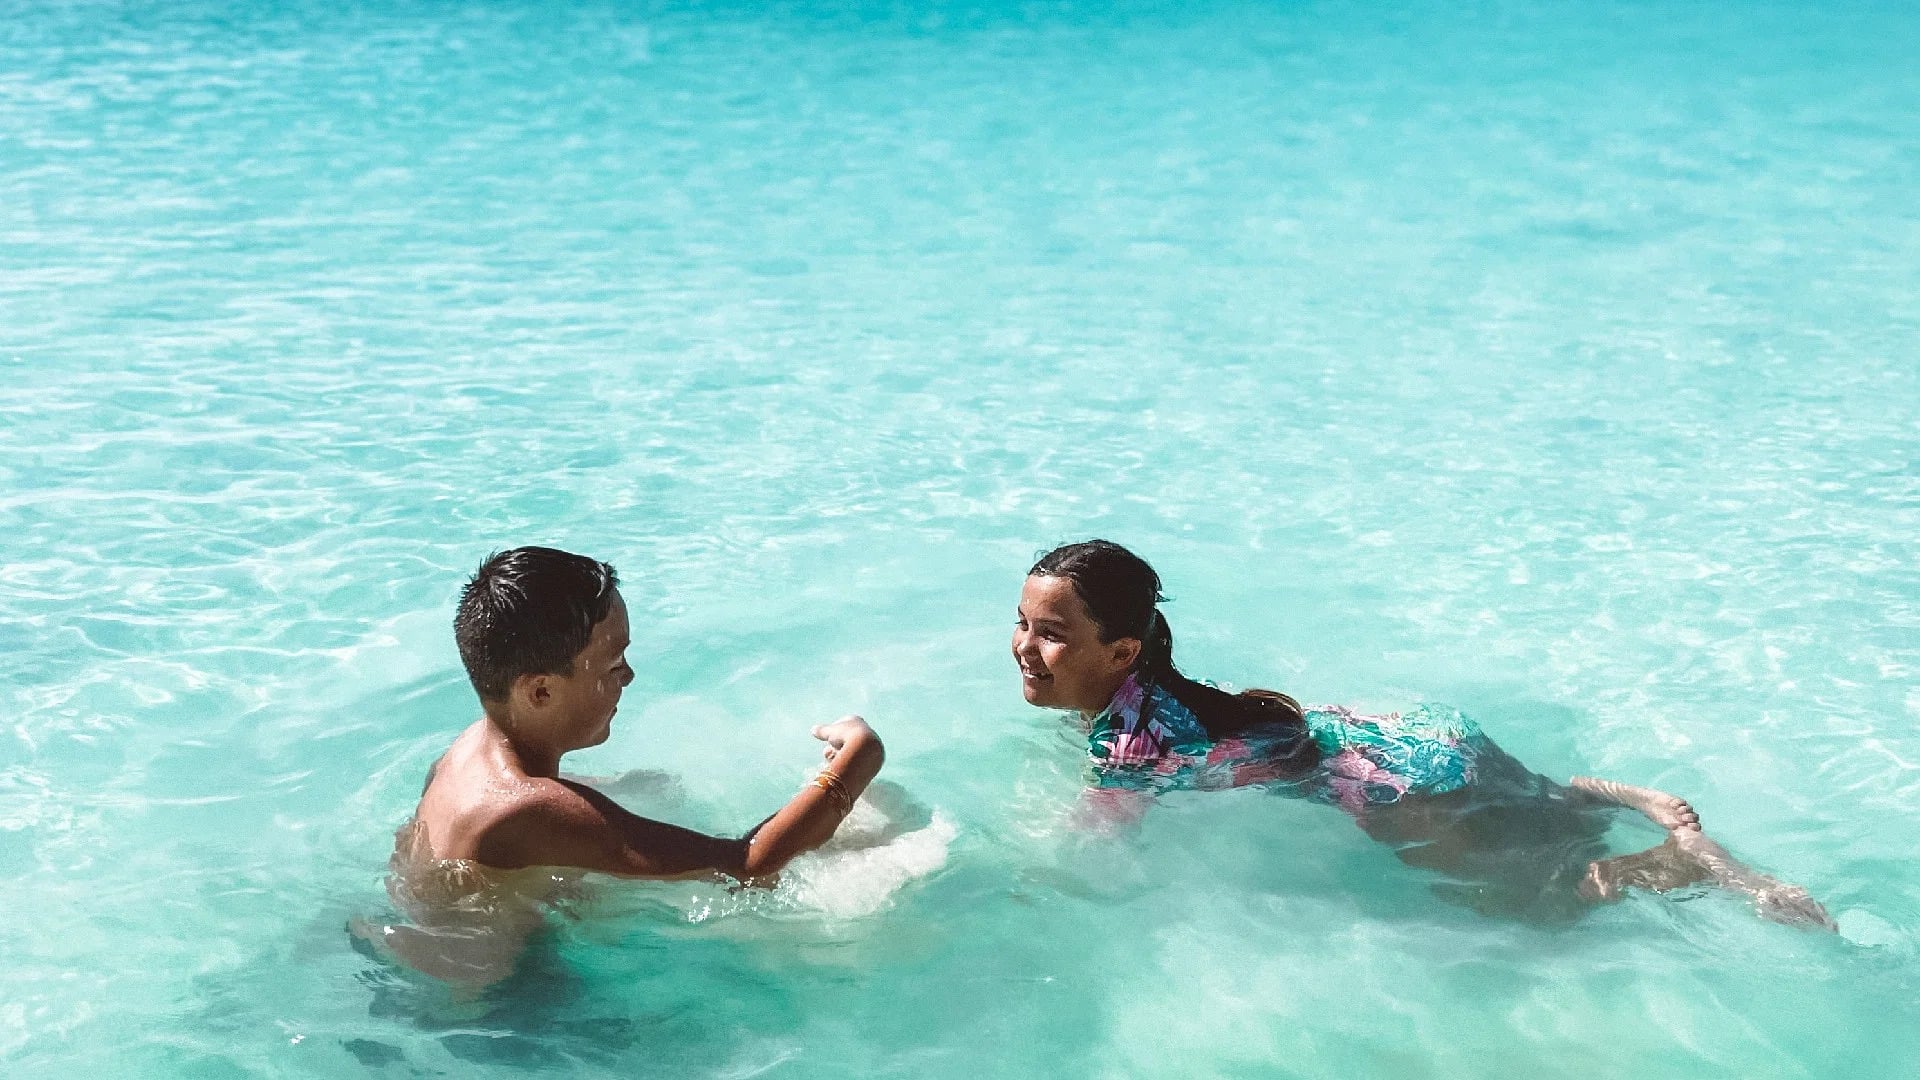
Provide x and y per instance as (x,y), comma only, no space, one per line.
(468,807)
(542,822)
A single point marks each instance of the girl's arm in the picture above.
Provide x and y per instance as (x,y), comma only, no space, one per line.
(1111,809)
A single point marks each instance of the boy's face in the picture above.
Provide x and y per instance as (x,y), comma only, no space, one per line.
(578,708)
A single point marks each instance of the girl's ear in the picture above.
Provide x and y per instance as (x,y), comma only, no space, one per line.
(1122,653)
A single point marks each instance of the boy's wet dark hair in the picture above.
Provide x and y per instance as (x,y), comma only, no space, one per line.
(529,611)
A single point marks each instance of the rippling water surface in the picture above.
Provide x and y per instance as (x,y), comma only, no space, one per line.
(1557,361)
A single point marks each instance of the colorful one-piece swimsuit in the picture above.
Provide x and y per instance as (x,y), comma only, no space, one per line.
(1146,739)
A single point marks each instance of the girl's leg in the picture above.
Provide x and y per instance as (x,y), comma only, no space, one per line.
(1660,869)
(1689,856)
(1774,899)
(1670,812)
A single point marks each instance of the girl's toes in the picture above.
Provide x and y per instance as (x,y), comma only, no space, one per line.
(1677,813)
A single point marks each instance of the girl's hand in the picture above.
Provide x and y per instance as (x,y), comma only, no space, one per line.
(839,733)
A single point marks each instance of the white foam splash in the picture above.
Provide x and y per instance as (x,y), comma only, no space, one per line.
(868,861)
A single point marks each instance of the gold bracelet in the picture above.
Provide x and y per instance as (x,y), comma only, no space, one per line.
(836,790)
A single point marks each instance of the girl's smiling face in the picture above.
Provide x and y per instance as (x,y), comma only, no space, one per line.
(1063,662)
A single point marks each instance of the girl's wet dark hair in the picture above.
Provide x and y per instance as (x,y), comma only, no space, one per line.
(529,611)
(1122,595)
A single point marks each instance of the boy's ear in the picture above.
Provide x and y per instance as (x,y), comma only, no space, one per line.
(532,690)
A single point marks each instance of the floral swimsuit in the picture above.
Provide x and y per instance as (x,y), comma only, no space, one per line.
(1146,739)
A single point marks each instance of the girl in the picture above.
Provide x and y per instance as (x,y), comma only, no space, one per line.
(1090,638)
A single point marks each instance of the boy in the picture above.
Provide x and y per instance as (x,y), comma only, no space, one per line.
(543,635)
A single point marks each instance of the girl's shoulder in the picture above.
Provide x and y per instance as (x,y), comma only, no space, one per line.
(1181,727)
(1146,725)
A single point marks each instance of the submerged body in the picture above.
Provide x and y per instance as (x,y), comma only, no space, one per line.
(1430,783)
(1090,638)
(466,923)
(468,919)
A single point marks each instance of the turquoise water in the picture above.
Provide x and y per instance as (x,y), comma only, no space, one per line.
(1556,361)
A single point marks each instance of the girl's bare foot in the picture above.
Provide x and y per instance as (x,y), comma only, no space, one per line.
(1670,812)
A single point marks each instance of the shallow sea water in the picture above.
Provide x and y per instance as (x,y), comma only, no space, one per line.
(1555,361)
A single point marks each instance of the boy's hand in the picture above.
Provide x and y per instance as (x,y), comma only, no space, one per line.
(839,733)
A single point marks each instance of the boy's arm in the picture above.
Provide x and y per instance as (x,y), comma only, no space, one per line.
(854,756)
(570,824)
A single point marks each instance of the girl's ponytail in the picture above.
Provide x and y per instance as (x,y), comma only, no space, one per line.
(1121,593)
